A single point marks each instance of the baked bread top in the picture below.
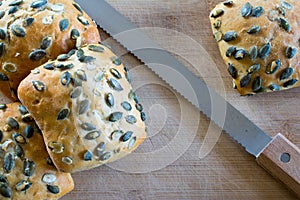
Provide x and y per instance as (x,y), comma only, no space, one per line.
(259,42)
(26,170)
(33,31)
(85,106)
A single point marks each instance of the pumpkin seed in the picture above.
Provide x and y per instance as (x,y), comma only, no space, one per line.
(77,6)
(84,106)
(126,136)
(46,42)
(230,51)
(218,35)
(87,59)
(56,147)
(28,21)
(92,135)
(23,185)
(286,73)
(2,13)
(1,135)
(217,13)
(67,160)
(22,109)
(5,191)
(18,31)
(100,148)
(16,3)
(57,7)
(38,3)
(3,180)
(39,86)
(35,71)
(87,126)
(291,52)
(63,114)
(75,34)
(253,69)
(143,116)
(114,84)
(28,167)
(64,67)
(116,116)
(257,84)
(49,161)
(64,24)
(79,53)
(131,119)
(132,95)
(19,151)
(88,156)
(49,178)
(109,99)
(131,143)
(254,29)
(281,10)
(286,5)
(115,73)
(96,48)
(240,54)
(37,55)
(290,83)
(128,74)
(27,118)
(116,135)
(99,76)
(81,75)
(10,67)
(28,131)
(246,10)
(257,11)
(76,92)
(217,24)
(2,34)
(265,50)
(273,66)
(274,87)
(139,107)
(2,106)
(53,189)
(2,49)
(126,106)
(284,24)
(13,9)
(19,138)
(253,52)
(230,36)
(65,78)
(3,77)
(76,82)
(12,123)
(83,20)
(117,61)
(105,156)
(49,66)
(245,80)
(63,57)
(47,20)
(8,162)
(228,3)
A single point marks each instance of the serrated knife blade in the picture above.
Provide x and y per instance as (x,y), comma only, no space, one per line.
(278,155)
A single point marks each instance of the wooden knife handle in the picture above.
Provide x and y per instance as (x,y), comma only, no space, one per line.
(281,158)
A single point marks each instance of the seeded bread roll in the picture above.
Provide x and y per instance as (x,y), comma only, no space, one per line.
(259,42)
(33,31)
(26,170)
(85,107)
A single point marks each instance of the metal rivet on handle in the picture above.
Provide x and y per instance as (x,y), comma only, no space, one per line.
(285,157)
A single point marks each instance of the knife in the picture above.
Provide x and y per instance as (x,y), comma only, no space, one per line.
(279,156)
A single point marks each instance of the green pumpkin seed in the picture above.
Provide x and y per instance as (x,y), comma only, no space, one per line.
(290,83)
(253,29)
(257,84)
(105,156)
(253,69)
(10,67)
(132,95)
(114,84)
(63,114)
(77,6)
(116,135)
(87,126)
(139,107)
(245,81)
(87,59)
(8,162)
(13,9)
(284,24)
(240,54)
(16,3)
(39,86)
(265,50)
(46,42)
(22,109)
(12,123)
(2,49)
(64,67)
(281,10)
(28,21)
(2,34)
(126,106)
(37,55)
(19,151)
(117,61)
(100,148)
(230,51)
(56,147)
(83,20)
(5,191)
(75,34)
(218,35)
(88,156)
(92,135)
(131,119)
(63,57)
(116,116)
(2,13)
(28,131)
(286,5)
(126,136)
(217,24)
(274,87)
(273,66)
(291,52)
(81,75)
(99,76)
(64,24)
(67,160)
(143,116)
(76,92)
(28,167)
(3,77)
(257,11)
(38,3)
(49,161)
(230,36)
(3,106)
(27,118)
(18,31)
(84,106)
(286,73)
(19,138)
(49,178)
(23,185)
(246,10)
(65,78)
(49,66)
(131,142)
(3,180)
(109,99)
(128,74)
(96,48)
(53,189)
(217,13)
(115,73)
(228,3)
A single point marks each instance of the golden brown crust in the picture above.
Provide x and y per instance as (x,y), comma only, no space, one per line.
(47,23)
(33,150)
(272,28)
(62,111)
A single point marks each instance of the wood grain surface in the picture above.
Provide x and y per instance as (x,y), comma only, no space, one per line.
(164,169)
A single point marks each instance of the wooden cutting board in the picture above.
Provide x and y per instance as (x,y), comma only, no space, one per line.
(177,160)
